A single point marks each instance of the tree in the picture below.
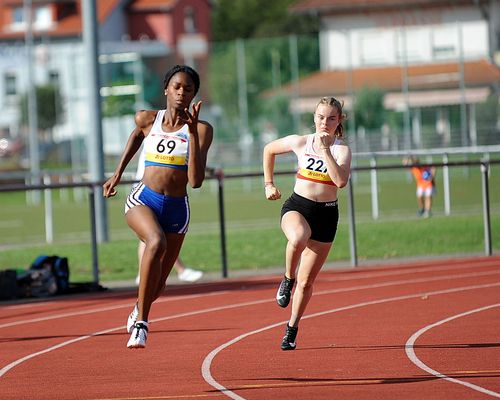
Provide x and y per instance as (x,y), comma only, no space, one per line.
(242,19)
(369,108)
(265,28)
(49,107)
(488,120)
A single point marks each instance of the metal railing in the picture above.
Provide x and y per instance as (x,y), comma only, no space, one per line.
(94,187)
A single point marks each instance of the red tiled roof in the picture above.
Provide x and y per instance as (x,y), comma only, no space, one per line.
(146,5)
(421,77)
(359,5)
(69,26)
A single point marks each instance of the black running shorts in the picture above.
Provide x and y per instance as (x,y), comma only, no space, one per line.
(321,217)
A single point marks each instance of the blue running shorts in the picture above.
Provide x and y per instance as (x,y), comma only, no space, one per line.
(172,213)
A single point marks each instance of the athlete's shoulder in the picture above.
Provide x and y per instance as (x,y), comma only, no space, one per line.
(205,125)
(145,118)
(205,128)
(341,146)
(341,141)
(297,139)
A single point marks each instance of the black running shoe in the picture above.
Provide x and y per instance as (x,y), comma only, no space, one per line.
(284,292)
(288,342)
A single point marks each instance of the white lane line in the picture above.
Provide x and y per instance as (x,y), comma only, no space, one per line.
(40,302)
(213,309)
(399,270)
(411,281)
(410,351)
(103,309)
(161,300)
(207,362)
(8,367)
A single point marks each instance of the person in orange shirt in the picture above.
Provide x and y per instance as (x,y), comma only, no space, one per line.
(426,188)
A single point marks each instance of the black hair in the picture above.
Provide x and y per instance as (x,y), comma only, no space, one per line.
(186,69)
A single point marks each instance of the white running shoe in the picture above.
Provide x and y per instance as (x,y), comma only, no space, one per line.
(139,336)
(132,318)
(190,275)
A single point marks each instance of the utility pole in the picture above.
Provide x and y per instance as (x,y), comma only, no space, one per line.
(406,91)
(95,142)
(34,149)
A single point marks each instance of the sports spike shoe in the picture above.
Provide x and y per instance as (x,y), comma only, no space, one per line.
(284,292)
(288,342)
(190,275)
(139,336)
(132,318)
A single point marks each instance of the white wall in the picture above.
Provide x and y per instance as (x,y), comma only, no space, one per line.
(378,39)
(67,59)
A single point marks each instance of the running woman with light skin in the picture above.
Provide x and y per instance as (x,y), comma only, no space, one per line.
(309,217)
(176,144)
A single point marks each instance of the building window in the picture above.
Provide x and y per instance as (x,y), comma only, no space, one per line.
(189,20)
(10,84)
(18,15)
(54,78)
(18,20)
(445,43)
(42,18)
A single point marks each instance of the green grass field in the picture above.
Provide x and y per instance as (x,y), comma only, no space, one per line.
(254,239)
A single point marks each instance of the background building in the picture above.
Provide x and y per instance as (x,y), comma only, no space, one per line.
(138,41)
(426,57)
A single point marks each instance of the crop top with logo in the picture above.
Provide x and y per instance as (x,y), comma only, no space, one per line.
(312,166)
(166,149)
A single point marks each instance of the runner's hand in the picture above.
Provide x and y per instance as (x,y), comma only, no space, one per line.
(191,118)
(272,192)
(108,189)
(325,139)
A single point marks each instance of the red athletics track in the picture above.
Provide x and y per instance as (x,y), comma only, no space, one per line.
(422,330)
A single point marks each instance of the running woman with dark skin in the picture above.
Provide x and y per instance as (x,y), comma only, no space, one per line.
(309,217)
(176,143)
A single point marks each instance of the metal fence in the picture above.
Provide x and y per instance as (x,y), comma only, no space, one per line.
(94,188)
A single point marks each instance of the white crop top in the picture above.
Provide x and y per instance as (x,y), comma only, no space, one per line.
(312,166)
(166,149)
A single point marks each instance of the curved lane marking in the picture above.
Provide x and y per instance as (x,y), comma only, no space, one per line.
(207,362)
(13,364)
(410,351)
(410,270)
(341,290)
(8,367)
(102,309)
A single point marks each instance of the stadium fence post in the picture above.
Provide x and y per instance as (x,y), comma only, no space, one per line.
(486,208)
(220,181)
(352,227)
(374,187)
(93,231)
(446,185)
